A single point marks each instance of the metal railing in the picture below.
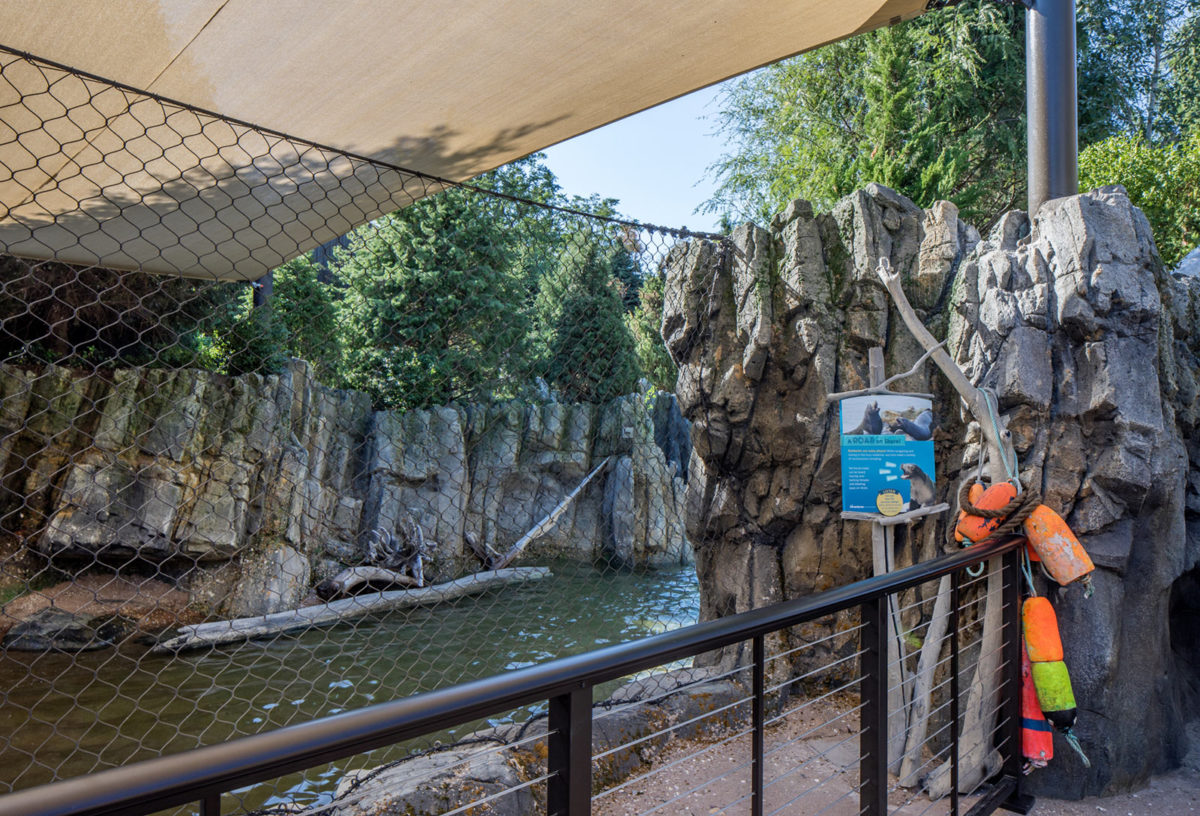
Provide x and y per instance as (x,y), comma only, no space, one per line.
(203,775)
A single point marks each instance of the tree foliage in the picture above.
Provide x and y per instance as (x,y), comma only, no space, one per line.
(459,296)
(591,355)
(308,309)
(1132,80)
(428,312)
(1163,180)
(646,326)
(933,107)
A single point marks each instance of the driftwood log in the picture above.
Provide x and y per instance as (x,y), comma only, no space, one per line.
(204,635)
(346,581)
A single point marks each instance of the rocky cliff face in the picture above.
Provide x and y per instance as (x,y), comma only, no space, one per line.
(249,490)
(1092,350)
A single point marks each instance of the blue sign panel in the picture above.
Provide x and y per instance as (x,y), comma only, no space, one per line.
(887,453)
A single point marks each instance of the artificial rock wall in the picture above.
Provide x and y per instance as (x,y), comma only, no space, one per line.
(249,490)
(1093,351)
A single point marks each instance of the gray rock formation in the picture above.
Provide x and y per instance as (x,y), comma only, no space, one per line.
(1092,350)
(256,488)
(630,729)
(1190,265)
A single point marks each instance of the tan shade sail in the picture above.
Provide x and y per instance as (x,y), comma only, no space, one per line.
(100,174)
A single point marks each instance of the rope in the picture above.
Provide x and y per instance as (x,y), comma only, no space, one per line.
(1014,513)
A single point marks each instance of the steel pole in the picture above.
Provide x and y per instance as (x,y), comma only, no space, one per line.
(1051,101)
(264,289)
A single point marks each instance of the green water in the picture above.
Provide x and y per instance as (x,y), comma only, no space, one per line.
(65,715)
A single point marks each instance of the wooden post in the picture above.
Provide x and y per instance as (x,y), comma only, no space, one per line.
(883,553)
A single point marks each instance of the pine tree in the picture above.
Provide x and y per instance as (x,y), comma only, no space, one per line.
(433,307)
(591,355)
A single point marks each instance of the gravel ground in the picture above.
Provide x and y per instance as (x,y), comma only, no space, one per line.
(1174,794)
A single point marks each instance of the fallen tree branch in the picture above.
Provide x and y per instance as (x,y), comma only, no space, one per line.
(543,526)
(882,388)
(348,579)
(203,635)
(931,651)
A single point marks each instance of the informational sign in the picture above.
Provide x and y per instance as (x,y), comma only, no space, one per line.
(887,453)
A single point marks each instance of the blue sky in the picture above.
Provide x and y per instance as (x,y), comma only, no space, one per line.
(654,162)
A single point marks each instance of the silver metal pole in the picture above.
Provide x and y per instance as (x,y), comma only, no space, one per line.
(1051,101)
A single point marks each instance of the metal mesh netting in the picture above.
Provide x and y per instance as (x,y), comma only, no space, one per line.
(430,442)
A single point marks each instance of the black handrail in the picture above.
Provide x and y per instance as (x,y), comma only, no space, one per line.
(155,784)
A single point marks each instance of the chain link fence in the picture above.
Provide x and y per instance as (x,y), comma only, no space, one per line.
(285,431)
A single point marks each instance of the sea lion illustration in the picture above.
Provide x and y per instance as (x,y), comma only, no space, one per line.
(919,431)
(920,485)
(871,422)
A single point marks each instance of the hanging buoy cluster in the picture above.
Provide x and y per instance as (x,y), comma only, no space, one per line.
(1047,699)
(1050,540)
(1051,680)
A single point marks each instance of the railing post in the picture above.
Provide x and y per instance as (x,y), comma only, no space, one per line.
(569,789)
(1017,801)
(873,726)
(758,714)
(955,688)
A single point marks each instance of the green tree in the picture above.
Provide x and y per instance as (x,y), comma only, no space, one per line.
(433,310)
(1128,80)
(249,340)
(933,107)
(591,353)
(307,309)
(1182,98)
(646,326)
(1163,180)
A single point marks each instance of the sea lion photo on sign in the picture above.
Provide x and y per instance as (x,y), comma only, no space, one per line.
(872,422)
(918,430)
(921,491)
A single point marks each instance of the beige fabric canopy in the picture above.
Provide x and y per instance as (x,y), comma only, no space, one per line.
(100,174)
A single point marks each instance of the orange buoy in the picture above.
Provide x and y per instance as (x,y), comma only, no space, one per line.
(974,494)
(1040,624)
(1031,552)
(1062,556)
(1037,737)
(995,497)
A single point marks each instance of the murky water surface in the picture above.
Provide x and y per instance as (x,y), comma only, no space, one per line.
(66,715)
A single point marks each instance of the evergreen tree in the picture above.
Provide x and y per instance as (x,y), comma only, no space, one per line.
(307,309)
(433,306)
(646,326)
(591,353)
